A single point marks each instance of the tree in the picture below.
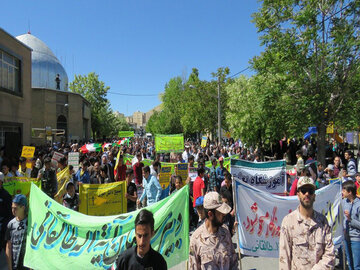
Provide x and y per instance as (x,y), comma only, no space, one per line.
(312,48)
(200,102)
(94,90)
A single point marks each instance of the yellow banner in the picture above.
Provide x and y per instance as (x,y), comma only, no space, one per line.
(28,151)
(62,177)
(103,199)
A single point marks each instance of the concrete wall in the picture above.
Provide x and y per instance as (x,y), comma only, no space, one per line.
(17,108)
(44,113)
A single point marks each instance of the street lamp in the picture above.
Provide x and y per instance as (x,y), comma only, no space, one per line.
(219,109)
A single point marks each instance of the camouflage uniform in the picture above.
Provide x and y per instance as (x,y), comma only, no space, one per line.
(212,251)
(306,243)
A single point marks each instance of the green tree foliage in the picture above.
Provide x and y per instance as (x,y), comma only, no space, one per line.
(200,102)
(312,58)
(190,106)
(103,121)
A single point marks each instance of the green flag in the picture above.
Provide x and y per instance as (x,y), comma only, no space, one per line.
(59,236)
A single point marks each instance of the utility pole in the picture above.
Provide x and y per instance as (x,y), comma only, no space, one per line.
(219,112)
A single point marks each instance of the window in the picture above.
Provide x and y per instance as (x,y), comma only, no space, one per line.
(9,72)
(7,128)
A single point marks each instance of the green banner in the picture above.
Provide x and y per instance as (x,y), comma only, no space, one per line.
(59,236)
(169,143)
(20,185)
(126,134)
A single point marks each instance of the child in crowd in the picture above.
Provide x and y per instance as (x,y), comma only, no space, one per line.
(71,198)
(357,184)
(104,178)
(15,236)
(178,183)
(199,205)
(131,192)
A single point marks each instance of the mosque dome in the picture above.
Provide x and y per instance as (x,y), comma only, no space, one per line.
(47,71)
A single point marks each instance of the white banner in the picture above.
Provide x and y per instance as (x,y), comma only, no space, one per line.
(260,215)
(266,176)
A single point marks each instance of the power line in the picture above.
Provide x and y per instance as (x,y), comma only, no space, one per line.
(241,71)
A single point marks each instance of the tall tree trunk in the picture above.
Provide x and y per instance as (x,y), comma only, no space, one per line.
(321,129)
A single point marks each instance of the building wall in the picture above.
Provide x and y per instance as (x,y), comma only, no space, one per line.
(49,104)
(15,108)
(139,118)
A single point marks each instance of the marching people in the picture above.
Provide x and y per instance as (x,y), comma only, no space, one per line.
(82,176)
(137,167)
(142,256)
(152,188)
(104,177)
(131,191)
(350,166)
(211,246)
(198,185)
(213,181)
(47,176)
(120,170)
(23,170)
(351,206)
(6,170)
(305,236)
(15,236)
(71,198)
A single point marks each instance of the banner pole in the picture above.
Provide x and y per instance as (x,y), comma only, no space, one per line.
(343,236)
(237,231)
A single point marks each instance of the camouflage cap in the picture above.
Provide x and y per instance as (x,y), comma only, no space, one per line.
(212,200)
(305,181)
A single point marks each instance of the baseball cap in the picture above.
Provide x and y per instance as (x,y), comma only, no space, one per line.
(212,200)
(330,167)
(305,181)
(20,199)
(199,201)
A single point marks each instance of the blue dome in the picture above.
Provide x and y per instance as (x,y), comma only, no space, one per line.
(45,66)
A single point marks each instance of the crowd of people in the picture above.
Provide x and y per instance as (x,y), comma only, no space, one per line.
(211,205)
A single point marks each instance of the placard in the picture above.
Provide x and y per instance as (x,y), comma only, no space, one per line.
(182,169)
(193,173)
(73,159)
(164,176)
(28,151)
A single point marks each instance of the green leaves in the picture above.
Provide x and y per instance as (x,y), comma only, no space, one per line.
(191,106)
(103,121)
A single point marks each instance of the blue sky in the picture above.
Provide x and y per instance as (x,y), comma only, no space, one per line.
(136,46)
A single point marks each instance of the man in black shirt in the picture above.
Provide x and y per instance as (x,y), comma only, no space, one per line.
(142,256)
(131,192)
